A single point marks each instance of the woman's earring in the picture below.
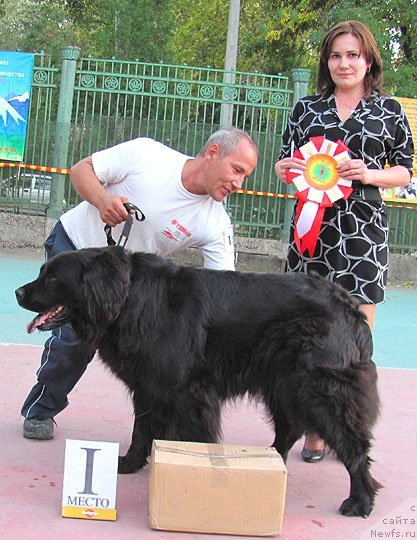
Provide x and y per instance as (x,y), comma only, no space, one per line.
(368,69)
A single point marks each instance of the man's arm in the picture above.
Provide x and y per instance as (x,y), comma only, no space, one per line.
(89,187)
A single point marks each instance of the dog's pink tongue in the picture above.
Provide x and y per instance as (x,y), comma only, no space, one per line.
(37,321)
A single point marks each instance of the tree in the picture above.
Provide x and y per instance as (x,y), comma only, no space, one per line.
(31,26)
(201,32)
(125,29)
(400,18)
(274,35)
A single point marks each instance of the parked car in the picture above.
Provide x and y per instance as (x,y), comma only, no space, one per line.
(408,191)
(31,187)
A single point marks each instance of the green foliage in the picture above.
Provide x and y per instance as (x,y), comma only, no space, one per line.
(274,35)
(125,29)
(34,26)
(200,32)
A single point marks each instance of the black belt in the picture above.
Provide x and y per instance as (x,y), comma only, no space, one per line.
(367,193)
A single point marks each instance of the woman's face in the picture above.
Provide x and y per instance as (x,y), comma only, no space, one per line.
(346,63)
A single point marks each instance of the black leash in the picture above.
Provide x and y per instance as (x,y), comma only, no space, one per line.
(139,215)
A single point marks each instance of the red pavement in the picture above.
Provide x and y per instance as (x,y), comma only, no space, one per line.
(31,472)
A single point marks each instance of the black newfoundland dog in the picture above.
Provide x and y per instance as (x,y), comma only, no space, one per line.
(185,340)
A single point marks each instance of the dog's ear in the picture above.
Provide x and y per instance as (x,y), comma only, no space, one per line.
(105,281)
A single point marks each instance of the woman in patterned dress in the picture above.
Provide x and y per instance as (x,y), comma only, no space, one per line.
(352,248)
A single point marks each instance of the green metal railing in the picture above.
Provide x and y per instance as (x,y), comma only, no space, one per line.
(402,217)
(89,104)
(181,106)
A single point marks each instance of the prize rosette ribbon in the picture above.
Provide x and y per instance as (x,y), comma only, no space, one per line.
(318,187)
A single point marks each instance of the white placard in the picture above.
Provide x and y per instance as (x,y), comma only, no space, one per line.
(90,480)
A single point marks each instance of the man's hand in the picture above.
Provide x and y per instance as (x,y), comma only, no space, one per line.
(112,211)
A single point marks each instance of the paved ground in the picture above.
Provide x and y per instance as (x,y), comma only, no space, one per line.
(31,472)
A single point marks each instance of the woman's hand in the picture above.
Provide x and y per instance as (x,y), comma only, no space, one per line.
(282,166)
(355,169)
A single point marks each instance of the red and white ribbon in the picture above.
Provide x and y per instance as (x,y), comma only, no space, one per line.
(318,187)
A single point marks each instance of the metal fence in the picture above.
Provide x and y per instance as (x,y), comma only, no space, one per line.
(181,106)
(88,104)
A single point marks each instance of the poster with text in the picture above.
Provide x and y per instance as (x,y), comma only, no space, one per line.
(15,83)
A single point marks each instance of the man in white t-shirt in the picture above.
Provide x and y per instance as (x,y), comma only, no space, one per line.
(180,196)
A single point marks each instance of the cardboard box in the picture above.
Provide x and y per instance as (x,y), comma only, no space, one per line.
(215,488)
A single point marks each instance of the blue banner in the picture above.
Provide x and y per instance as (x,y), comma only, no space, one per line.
(15,84)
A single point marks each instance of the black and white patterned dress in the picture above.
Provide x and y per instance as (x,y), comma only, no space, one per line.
(352,248)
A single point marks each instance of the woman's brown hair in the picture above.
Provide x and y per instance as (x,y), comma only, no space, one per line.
(369,48)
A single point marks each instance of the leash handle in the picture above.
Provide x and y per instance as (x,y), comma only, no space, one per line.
(139,215)
(125,231)
(130,207)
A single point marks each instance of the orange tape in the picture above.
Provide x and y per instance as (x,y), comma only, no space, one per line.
(240,191)
(35,167)
(409,206)
(264,193)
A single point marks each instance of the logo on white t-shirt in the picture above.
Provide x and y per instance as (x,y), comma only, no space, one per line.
(228,239)
(175,231)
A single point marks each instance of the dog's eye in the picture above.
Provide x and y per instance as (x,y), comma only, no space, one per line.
(50,279)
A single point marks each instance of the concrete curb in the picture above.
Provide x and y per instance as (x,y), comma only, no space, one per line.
(27,233)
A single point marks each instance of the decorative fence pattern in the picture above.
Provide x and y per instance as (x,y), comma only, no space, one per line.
(89,104)
(181,106)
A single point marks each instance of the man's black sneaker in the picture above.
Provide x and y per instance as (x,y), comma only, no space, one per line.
(38,428)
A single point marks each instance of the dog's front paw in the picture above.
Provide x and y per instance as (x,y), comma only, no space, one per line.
(354,506)
(127,465)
